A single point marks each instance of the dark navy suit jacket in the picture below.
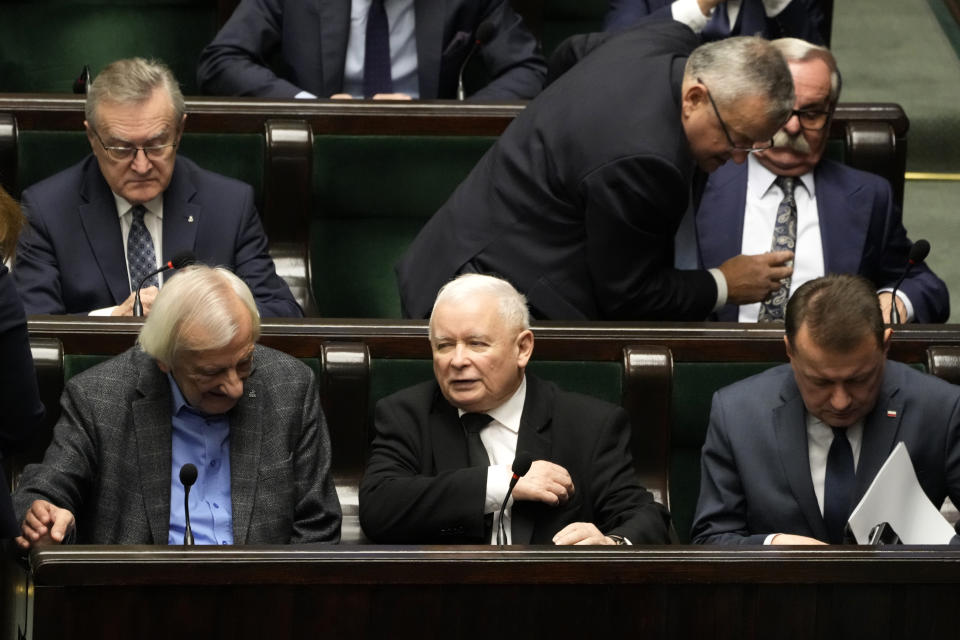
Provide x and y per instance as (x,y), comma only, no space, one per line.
(800,19)
(277,48)
(860,227)
(70,258)
(755,468)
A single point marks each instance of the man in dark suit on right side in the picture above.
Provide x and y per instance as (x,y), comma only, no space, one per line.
(578,202)
(843,220)
(791,451)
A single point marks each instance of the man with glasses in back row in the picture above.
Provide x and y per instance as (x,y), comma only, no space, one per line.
(98,228)
(578,202)
(839,219)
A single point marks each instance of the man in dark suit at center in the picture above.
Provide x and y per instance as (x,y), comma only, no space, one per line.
(98,228)
(791,451)
(440,464)
(578,202)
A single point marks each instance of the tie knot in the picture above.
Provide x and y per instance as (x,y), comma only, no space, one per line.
(138,212)
(475,422)
(839,432)
(787,184)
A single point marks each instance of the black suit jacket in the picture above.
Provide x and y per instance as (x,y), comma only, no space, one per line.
(578,201)
(418,487)
(278,48)
(70,257)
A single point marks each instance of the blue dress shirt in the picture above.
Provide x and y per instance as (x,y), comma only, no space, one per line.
(203,440)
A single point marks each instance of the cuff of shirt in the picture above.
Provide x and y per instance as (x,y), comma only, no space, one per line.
(106,311)
(905,300)
(774,7)
(305,95)
(769,538)
(721,288)
(498,481)
(688,12)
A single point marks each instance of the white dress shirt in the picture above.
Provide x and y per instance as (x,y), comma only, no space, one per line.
(688,12)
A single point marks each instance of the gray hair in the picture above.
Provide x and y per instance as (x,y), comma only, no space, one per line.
(197,297)
(736,68)
(130,81)
(513,304)
(11,223)
(797,50)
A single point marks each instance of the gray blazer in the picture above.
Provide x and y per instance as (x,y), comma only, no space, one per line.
(110,458)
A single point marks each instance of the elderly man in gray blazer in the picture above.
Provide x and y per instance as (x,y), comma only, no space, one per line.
(195,390)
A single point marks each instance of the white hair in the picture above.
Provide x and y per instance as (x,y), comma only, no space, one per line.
(797,50)
(512,304)
(130,81)
(197,297)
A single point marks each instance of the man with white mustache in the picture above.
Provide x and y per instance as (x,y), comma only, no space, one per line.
(836,220)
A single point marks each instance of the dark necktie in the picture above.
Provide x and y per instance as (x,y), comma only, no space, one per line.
(473,424)
(718,26)
(784,238)
(376,60)
(141,258)
(838,486)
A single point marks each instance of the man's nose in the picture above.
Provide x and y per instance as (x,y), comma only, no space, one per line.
(792,125)
(839,398)
(232,385)
(460,358)
(141,163)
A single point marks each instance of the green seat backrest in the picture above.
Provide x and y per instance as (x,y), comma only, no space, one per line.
(44,44)
(564,18)
(74,364)
(371,196)
(237,155)
(40,154)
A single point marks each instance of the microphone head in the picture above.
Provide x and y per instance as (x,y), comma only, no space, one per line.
(485,32)
(182,259)
(919,251)
(521,463)
(188,475)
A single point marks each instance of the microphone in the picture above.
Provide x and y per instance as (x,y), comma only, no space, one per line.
(188,475)
(179,261)
(82,83)
(521,464)
(918,253)
(485,33)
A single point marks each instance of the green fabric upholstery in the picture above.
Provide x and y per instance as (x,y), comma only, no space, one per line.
(44,44)
(40,154)
(564,18)
(74,364)
(371,195)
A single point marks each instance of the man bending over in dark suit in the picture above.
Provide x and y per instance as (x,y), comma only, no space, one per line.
(98,228)
(440,463)
(791,451)
(196,389)
(836,218)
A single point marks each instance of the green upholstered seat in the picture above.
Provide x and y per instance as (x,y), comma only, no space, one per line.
(44,44)
(371,195)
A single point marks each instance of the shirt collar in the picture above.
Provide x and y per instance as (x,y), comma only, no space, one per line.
(154,206)
(760,179)
(509,413)
(179,402)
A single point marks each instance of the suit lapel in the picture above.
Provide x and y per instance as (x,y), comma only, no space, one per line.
(535,439)
(246,428)
(334,34)
(751,19)
(879,435)
(791,433)
(719,220)
(844,221)
(154,437)
(101,224)
(430,18)
(446,434)
(181,216)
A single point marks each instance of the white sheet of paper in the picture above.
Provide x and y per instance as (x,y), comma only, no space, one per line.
(895,496)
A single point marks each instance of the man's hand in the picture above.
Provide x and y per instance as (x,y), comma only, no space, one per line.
(790,539)
(544,482)
(581,533)
(753,278)
(44,524)
(147,296)
(706,6)
(885,307)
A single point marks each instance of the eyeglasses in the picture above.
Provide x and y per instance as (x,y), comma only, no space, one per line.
(811,120)
(129,152)
(756,146)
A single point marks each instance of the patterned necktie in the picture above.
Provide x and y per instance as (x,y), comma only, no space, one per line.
(784,238)
(141,258)
(376,61)
(473,424)
(838,486)
(718,26)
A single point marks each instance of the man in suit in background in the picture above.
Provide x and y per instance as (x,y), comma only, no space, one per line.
(836,218)
(370,48)
(578,201)
(440,463)
(98,228)
(715,19)
(791,451)
(196,389)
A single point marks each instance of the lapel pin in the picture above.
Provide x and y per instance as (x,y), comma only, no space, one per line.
(891,413)
(189,218)
(252,394)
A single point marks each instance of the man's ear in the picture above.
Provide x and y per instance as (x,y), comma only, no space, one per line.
(887,334)
(694,95)
(786,344)
(163,366)
(524,347)
(91,138)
